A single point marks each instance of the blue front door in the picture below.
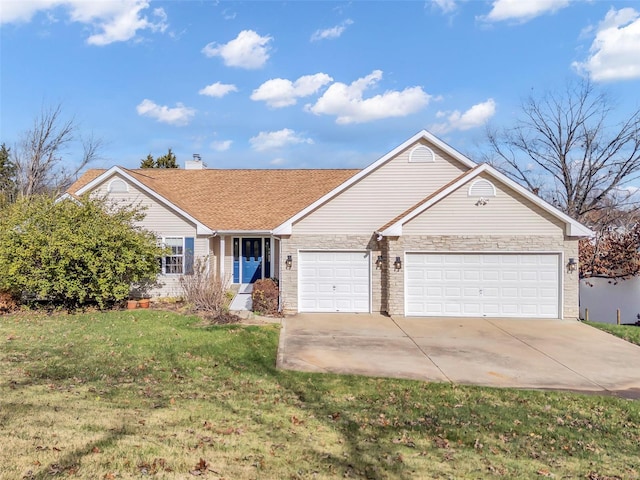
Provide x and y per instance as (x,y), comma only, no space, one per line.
(251,259)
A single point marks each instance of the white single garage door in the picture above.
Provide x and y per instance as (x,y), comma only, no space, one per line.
(333,281)
(482,285)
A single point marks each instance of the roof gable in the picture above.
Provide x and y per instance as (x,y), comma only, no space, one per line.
(394,228)
(286,227)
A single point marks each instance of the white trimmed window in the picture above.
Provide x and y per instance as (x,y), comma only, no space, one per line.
(421,154)
(180,256)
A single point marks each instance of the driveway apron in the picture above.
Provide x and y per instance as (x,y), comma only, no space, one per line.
(543,354)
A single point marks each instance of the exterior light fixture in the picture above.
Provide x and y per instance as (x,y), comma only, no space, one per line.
(288,262)
(379,261)
(572,265)
(398,263)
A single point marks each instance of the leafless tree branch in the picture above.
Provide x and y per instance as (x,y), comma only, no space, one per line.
(40,155)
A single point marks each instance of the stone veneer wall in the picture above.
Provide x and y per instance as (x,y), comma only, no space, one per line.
(291,245)
(396,247)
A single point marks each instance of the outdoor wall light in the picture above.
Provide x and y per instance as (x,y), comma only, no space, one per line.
(288,262)
(379,261)
(572,265)
(398,263)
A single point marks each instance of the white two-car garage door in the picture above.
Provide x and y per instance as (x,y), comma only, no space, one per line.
(482,285)
(333,281)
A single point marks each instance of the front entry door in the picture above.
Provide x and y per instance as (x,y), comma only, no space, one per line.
(251,259)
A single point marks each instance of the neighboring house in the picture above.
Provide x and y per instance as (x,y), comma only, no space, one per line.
(603,297)
(422,231)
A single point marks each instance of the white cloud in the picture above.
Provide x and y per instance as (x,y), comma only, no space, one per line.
(615,51)
(248,50)
(113,20)
(221,145)
(277,161)
(476,116)
(446,6)
(279,92)
(218,90)
(346,102)
(522,10)
(179,115)
(330,33)
(273,140)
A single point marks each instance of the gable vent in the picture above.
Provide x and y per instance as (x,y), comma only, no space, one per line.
(482,188)
(422,154)
(118,186)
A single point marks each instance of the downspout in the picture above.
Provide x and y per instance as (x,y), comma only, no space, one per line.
(279,275)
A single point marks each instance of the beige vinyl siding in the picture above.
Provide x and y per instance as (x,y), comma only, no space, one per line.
(381,196)
(158,218)
(163,222)
(508,213)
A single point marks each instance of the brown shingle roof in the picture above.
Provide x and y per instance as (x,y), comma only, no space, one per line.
(236,199)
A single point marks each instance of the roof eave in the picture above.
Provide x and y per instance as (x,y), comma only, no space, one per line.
(243,232)
(201,229)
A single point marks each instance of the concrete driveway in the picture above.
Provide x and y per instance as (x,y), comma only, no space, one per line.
(541,354)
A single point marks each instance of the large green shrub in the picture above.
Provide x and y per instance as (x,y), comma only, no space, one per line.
(75,253)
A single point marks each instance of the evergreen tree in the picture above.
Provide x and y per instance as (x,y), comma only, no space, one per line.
(165,161)
(148,162)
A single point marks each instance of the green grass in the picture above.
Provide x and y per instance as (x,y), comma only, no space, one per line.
(630,333)
(153,394)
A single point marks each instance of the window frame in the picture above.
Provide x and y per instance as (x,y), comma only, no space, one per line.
(181,256)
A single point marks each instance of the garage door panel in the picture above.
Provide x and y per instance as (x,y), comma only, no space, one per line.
(432,275)
(332,281)
(471,275)
(513,285)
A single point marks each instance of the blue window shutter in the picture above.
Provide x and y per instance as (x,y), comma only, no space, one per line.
(188,255)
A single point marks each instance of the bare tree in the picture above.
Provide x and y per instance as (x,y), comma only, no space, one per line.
(40,155)
(567,148)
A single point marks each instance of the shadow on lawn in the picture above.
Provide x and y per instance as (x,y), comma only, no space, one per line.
(69,464)
(366,455)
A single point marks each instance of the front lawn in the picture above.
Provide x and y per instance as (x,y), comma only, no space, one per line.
(153,394)
(630,333)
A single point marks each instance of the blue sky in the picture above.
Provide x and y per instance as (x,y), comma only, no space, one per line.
(301,84)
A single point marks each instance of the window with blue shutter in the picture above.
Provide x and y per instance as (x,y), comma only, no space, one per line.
(188,255)
(181,255)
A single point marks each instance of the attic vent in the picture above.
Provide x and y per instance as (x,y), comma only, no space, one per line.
(118,186)
(422,154)
(482,188)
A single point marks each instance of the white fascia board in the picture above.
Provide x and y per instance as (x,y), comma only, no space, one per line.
(573,228)
(286,227)
(67,196)
(395,230)
(447,148)
(201,229)
(245,233)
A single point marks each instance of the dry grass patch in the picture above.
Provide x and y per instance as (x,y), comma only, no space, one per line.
(154,394)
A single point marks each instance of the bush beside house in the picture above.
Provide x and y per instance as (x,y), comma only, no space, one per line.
(75,253)
(265,297)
